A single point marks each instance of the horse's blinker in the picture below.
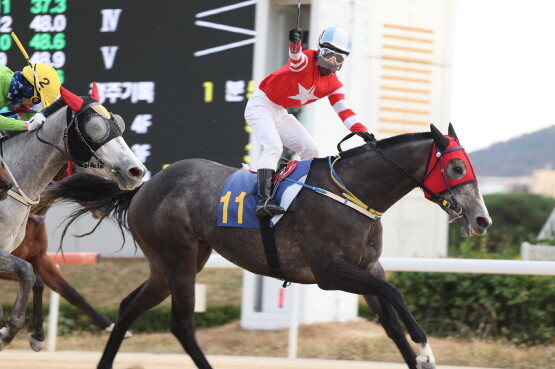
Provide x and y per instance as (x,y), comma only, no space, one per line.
(438,179)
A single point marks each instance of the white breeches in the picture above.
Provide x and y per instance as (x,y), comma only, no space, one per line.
(274,128)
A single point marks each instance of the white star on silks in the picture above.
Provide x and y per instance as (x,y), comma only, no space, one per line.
(305,95)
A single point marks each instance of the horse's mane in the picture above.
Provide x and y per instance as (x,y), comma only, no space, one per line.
(382,144)
(407,137)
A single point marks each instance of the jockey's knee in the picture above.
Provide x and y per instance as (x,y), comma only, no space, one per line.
(309,152)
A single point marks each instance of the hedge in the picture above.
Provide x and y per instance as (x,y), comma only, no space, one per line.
(518,308)
(157,319)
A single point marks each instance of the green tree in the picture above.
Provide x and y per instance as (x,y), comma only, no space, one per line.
(517,217)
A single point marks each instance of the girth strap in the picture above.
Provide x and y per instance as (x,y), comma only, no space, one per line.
(270,249)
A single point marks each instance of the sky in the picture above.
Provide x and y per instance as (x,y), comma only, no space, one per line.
(503,70)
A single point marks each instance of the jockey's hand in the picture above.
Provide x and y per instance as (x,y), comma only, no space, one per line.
(366,136)
(295,35)
(36,121)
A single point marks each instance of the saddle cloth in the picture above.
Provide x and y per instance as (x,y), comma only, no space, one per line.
(239,196)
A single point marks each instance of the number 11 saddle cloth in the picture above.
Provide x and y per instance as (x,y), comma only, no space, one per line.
(239,196)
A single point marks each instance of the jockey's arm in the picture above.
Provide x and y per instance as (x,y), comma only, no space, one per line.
(297,59)
(347,115)
(11,124)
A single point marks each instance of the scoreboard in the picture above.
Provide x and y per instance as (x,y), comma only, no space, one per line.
(178,72)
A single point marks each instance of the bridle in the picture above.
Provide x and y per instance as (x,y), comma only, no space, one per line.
(451,206)
(79,147)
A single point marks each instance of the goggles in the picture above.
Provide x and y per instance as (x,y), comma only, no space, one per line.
(328,54)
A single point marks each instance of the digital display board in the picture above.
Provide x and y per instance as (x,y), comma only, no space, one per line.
(178,72)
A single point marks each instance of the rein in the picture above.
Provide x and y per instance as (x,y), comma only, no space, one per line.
(434,197)
(18,195)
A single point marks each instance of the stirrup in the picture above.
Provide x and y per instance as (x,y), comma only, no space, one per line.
(264,210)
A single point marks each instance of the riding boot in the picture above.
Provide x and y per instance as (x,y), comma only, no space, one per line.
(266,206)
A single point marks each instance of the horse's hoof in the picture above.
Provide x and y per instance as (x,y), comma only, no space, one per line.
(423,365)
(111,328)
(35,344)
(3,332)
(3,344)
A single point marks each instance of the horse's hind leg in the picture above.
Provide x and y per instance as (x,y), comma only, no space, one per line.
(149,294)
(53,278)
(388,319)
(36,339)
(26,278)
(182,287)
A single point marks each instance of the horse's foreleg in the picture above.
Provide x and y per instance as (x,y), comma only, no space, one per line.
(388,319)
(26,278)
(338,274)
(37,338)
(147,295)
(53,278)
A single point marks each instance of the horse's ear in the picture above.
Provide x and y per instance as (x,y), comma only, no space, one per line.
(74,102)
(439,138)
(94,92)
(451,132)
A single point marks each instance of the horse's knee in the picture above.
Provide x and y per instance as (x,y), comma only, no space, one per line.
(25,273)
(391,293)
(38,286)
(15,323)
(184,331)
(181,327)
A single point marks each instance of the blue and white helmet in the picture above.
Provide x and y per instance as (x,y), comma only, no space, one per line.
(336,38)
(334,45)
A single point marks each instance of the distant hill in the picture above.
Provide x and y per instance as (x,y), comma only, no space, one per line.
(517,157)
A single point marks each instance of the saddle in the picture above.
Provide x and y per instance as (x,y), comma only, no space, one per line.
(239,196)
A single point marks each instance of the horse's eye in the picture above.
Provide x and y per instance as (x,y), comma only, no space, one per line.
(456,169)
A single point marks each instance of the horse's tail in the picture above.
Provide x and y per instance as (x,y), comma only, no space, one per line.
(95,194)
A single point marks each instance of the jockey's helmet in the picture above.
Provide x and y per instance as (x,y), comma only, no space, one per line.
(334,45)
(45,81)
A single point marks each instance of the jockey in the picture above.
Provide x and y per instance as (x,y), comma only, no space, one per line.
(308,76)
(20,90)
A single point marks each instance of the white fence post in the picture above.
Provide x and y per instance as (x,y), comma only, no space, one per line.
(53,313)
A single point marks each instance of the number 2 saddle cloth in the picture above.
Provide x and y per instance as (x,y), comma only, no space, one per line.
(239,195)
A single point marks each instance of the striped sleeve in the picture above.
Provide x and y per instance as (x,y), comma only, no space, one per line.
(297,60)
(342,108)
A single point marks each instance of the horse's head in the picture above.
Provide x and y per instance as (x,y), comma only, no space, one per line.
(5,182)
(95,134)
(451,182)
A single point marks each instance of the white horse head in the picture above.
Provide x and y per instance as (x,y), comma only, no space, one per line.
(95,141)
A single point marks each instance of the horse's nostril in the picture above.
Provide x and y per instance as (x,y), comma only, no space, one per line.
(136,172)
(482,222)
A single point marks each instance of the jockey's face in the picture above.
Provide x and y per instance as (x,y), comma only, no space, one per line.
(27,101)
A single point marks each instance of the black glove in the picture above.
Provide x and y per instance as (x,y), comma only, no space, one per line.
(295,35)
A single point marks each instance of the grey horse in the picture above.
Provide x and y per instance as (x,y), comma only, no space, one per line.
(322,241)
(92,132)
